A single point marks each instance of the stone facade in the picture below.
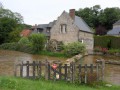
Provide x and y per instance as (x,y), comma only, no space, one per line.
(87,39)
(67,28)
(72,34)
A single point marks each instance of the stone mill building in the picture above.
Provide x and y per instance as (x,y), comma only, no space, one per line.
(67,28)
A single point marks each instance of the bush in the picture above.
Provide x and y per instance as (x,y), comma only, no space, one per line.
(17,47)
(107,42)
(38,41)
(75,48)
(24,40)
(113,51)
(9,46)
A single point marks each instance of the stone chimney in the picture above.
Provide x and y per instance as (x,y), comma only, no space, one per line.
(72,13)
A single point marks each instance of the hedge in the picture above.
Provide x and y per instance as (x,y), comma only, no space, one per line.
(110,42)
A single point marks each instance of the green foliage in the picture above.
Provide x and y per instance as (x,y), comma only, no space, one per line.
(8,83)
(25,84)
(38,41)
(110,42)
(113,51)
(24,40)
(9,46)
(17,47)
(75,48)
(9,23)
(96,17)
(53,54)
(14,36)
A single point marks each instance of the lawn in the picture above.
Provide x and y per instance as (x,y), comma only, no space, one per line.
(11,83)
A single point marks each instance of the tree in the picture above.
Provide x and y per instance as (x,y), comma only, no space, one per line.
(9,23)
(99,19)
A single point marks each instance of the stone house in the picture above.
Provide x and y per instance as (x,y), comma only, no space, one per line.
(68,28)
(116,29)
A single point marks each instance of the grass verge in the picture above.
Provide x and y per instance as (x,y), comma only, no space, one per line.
(53,54)
(11,83)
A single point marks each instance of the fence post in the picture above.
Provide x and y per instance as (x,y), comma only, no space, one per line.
(72,71)
(85,73)
(21,69)
(47,70)
(60,72)
(39,69)
(102,64)
(97,70)
(27,69)
(15,70)
(102,68)
(33,69)
(65,67)
(80,71)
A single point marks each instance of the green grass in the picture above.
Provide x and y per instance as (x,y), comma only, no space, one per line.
(11,83)
(53,54)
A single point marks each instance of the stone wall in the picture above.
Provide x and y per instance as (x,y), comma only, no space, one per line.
(87,39)
(71,34)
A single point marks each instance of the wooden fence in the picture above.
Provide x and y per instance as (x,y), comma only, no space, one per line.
(69,72)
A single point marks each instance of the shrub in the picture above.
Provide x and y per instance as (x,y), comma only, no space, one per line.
(97,49)
(17,47)
(24,40)
(38,41)
(107,42)
(75,48)
(9,46)
(113,51)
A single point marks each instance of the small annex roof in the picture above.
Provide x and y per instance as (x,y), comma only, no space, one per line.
(114,31)
(117,23)
(82,25)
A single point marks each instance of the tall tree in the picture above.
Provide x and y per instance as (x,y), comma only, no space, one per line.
(9,21)
(100,19)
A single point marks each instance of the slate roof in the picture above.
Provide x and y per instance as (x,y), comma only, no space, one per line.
(51,23)
(79,22)
(117,23)
(42,26)
(82,25)
(114,31)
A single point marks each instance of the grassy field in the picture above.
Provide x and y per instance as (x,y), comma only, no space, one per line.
(11,83)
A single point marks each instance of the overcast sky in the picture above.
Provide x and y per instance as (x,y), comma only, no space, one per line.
(44,11)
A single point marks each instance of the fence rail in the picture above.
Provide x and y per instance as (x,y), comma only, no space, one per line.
(69,72)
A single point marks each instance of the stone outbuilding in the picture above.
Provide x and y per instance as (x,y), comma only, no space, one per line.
(67,28)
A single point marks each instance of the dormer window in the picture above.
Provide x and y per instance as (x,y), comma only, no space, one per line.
(63,28)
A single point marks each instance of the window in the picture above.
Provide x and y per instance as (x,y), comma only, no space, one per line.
(48,29)
(81,40)
(63,28)
(39,30)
